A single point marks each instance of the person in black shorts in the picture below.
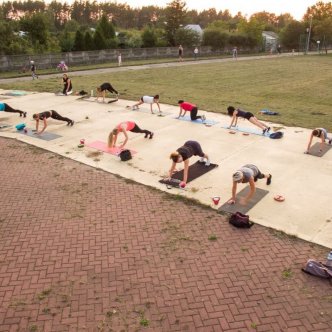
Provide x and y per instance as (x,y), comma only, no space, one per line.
(67,85)
(6,108)
(49,114)
(101,91)
(182,154)
(237,113)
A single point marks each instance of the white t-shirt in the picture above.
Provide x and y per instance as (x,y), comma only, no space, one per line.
(148,99)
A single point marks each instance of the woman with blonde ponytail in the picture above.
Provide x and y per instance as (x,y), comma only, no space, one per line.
(182,154)
(123,127)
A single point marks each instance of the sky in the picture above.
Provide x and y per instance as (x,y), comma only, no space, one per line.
(297,8)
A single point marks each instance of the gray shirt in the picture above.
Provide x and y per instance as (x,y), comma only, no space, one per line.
(249,171)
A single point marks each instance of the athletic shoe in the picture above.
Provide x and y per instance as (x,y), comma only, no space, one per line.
(330,141)
(268,129)
(268,181)
(264,131)
(201,160)
(146,135)
(151,136)
(71,123)
(24,114)
(203,118)
(208,163)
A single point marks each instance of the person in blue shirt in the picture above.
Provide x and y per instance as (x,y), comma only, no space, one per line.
(6,108)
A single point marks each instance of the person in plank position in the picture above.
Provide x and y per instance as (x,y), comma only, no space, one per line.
(49,114)
(101,91)
(149,100)
(123,127)
(192,108)
(237,113)
(247,174)
(183,154)
(6,108)
(322,134)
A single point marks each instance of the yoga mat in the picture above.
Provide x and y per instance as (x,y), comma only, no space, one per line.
(94,100)
(46,136)
(237,207)
(195,171)
(15,93)
(102,146)
(249,130)
(145,110)
(206,121)
(314,150)
(4,125)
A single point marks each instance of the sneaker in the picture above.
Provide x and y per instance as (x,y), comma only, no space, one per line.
(71,123)
(268,129)
(268,181)
(151,136)
(330,141)
(203,117)
(201,160)
(264,131)
(146,135)
(24,114)
(208,163)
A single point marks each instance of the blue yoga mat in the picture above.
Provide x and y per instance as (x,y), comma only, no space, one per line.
(253,131)
(16,93)
(207,121)
(45,136)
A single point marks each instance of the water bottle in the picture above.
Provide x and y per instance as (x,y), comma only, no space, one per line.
(329,256)
(91,93)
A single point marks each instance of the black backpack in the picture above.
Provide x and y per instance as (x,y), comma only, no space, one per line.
(125,155)
(276,135)
(240,220)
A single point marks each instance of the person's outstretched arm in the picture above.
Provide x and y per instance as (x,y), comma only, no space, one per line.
(322,141)
(234,188)
(234,119)
(45,125)
(126,137)
(185,171)
(252,190)
(309,144)
(171,171)
(37,124)
(158,106)
(180,113)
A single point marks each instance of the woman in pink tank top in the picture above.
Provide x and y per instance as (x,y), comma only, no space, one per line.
(123,127)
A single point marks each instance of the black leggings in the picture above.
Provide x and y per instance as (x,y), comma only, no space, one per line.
(55,115)
(111,90)
(193,114)
(137,129)
(9,109)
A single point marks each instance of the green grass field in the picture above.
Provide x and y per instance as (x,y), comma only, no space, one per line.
(298,87)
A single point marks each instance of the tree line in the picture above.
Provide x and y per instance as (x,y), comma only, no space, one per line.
(28,27)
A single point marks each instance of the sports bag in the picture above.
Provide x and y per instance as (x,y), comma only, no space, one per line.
(317,269)
(240,220)
(20,126)
(276,135)
(125,155)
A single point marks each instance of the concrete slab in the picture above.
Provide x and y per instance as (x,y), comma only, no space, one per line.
(304,181)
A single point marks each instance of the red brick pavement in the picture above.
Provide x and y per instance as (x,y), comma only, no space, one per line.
(84,250)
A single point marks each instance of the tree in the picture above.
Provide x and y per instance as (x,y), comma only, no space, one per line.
(291,34)
(37,28)
(79,41)
(187,37)
(253,31)
(149,38)
(88,41)
(175,14)
(215,38)
(66,42)
(106,28)
(99,41)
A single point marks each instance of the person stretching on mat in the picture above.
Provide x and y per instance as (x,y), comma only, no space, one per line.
(182,154)
(247,173)
(235,114)
(67,86)
(49,114)
(123,127)
(101,91)
(322,134)
(149,100)
(192,108)
(6,108)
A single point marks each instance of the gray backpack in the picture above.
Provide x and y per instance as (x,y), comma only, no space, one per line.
(318,269)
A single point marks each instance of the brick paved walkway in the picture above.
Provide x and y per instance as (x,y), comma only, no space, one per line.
(83,250)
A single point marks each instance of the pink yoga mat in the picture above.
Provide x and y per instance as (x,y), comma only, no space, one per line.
(102,146)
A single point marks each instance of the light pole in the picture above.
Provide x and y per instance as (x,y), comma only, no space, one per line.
(318,42)
(309,33)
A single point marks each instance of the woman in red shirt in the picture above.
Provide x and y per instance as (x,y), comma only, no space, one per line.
(123,127)
(192,108)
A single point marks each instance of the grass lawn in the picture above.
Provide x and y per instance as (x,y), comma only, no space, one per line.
(298,87)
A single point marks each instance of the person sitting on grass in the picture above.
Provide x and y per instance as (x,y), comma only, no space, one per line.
(123,127)
(149,100)
(101,91)
(49,114)
(6,108)
(183,154)
(322,134)
(67,85)
(237,113)
(192,108)
(247,173)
